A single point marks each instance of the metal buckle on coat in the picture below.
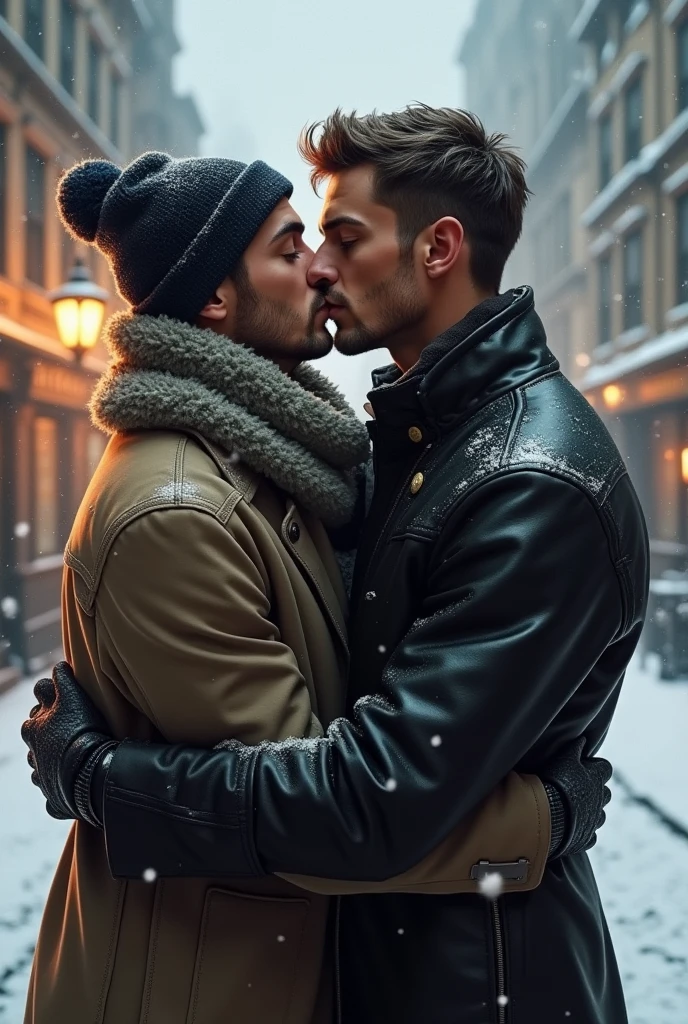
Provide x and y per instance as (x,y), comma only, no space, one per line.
(510,871)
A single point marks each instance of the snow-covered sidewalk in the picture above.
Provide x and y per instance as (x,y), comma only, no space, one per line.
(648,740)
(30,845)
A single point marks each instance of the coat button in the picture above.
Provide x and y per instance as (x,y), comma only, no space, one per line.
(294,532)
(416,434)
(417,483)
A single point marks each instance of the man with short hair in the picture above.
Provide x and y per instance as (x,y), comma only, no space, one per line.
(499,593)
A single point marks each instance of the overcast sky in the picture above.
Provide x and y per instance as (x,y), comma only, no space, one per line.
(261,69)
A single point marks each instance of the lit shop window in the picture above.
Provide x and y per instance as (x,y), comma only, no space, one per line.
(46,490)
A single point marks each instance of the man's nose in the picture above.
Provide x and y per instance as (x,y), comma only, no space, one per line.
(321,273)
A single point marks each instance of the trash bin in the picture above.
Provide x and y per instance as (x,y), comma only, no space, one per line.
(670,600)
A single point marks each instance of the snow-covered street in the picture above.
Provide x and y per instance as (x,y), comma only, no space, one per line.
(641,859)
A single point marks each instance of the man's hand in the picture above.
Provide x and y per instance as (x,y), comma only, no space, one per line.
(66,736)
(578,793)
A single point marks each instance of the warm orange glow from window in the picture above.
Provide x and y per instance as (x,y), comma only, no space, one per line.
(684,465)
(613,396)
(670,455)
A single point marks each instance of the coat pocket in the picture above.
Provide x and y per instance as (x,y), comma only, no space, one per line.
(248,958)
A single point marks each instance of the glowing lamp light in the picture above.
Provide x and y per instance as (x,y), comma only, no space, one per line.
(684,465)
(612,396)
(79,307)
(583,359)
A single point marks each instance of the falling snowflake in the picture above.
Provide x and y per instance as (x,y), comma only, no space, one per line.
(618,297)
(9,607)
(436,741)
(281,938)
(391,785)
(382,649)
(22,530)
(150,874)
(491,885)
(234,458)
(540,26)
(400,931)
(502,1000)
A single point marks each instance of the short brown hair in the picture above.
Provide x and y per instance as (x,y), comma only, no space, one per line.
(430,163)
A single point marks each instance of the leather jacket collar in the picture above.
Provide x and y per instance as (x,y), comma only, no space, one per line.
(459,372)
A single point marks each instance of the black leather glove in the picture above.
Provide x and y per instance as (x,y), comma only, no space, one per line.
(577,793)
(67,737)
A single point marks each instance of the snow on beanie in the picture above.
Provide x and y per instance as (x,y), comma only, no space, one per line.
(171,229)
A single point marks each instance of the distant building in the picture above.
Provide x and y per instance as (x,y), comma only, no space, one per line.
(596,94)
(637,222)
(78,78)
(526,77)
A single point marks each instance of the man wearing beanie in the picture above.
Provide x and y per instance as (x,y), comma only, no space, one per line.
(203,601)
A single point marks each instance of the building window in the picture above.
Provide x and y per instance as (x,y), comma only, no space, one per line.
(67,255)
(115,93)
(682,249)
(633,281)
(3,198)
(604,278)
(633,119)
(46,489)
(67,27)
(562,252)
(33,21)
(606,143)
(35,217)
(682,65)
(95,446)
(665,449)
(93,80)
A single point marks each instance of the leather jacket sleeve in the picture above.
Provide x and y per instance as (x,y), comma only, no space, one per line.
(522,598)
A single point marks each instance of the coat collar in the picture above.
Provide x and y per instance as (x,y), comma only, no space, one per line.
(298,431)
(497,347)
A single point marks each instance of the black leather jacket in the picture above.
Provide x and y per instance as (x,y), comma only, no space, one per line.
(500,592)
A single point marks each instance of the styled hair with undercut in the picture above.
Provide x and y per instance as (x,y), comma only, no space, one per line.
(431,162)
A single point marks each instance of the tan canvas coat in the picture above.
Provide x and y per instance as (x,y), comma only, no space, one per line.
(201,603)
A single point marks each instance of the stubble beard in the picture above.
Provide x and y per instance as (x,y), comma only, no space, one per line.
(401,308)
(268,327)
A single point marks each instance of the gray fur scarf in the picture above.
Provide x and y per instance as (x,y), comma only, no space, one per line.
(297,430)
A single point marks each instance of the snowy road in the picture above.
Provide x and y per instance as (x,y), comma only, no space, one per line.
(641,860)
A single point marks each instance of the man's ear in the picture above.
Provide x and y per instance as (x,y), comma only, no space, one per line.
(215,308)
(443,247)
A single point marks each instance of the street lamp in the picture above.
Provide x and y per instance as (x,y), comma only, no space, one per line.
(79,306)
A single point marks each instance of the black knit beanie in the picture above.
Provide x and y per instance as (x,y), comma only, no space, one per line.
(171,230)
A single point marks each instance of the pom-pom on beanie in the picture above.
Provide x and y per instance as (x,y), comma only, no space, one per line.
(171,230)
